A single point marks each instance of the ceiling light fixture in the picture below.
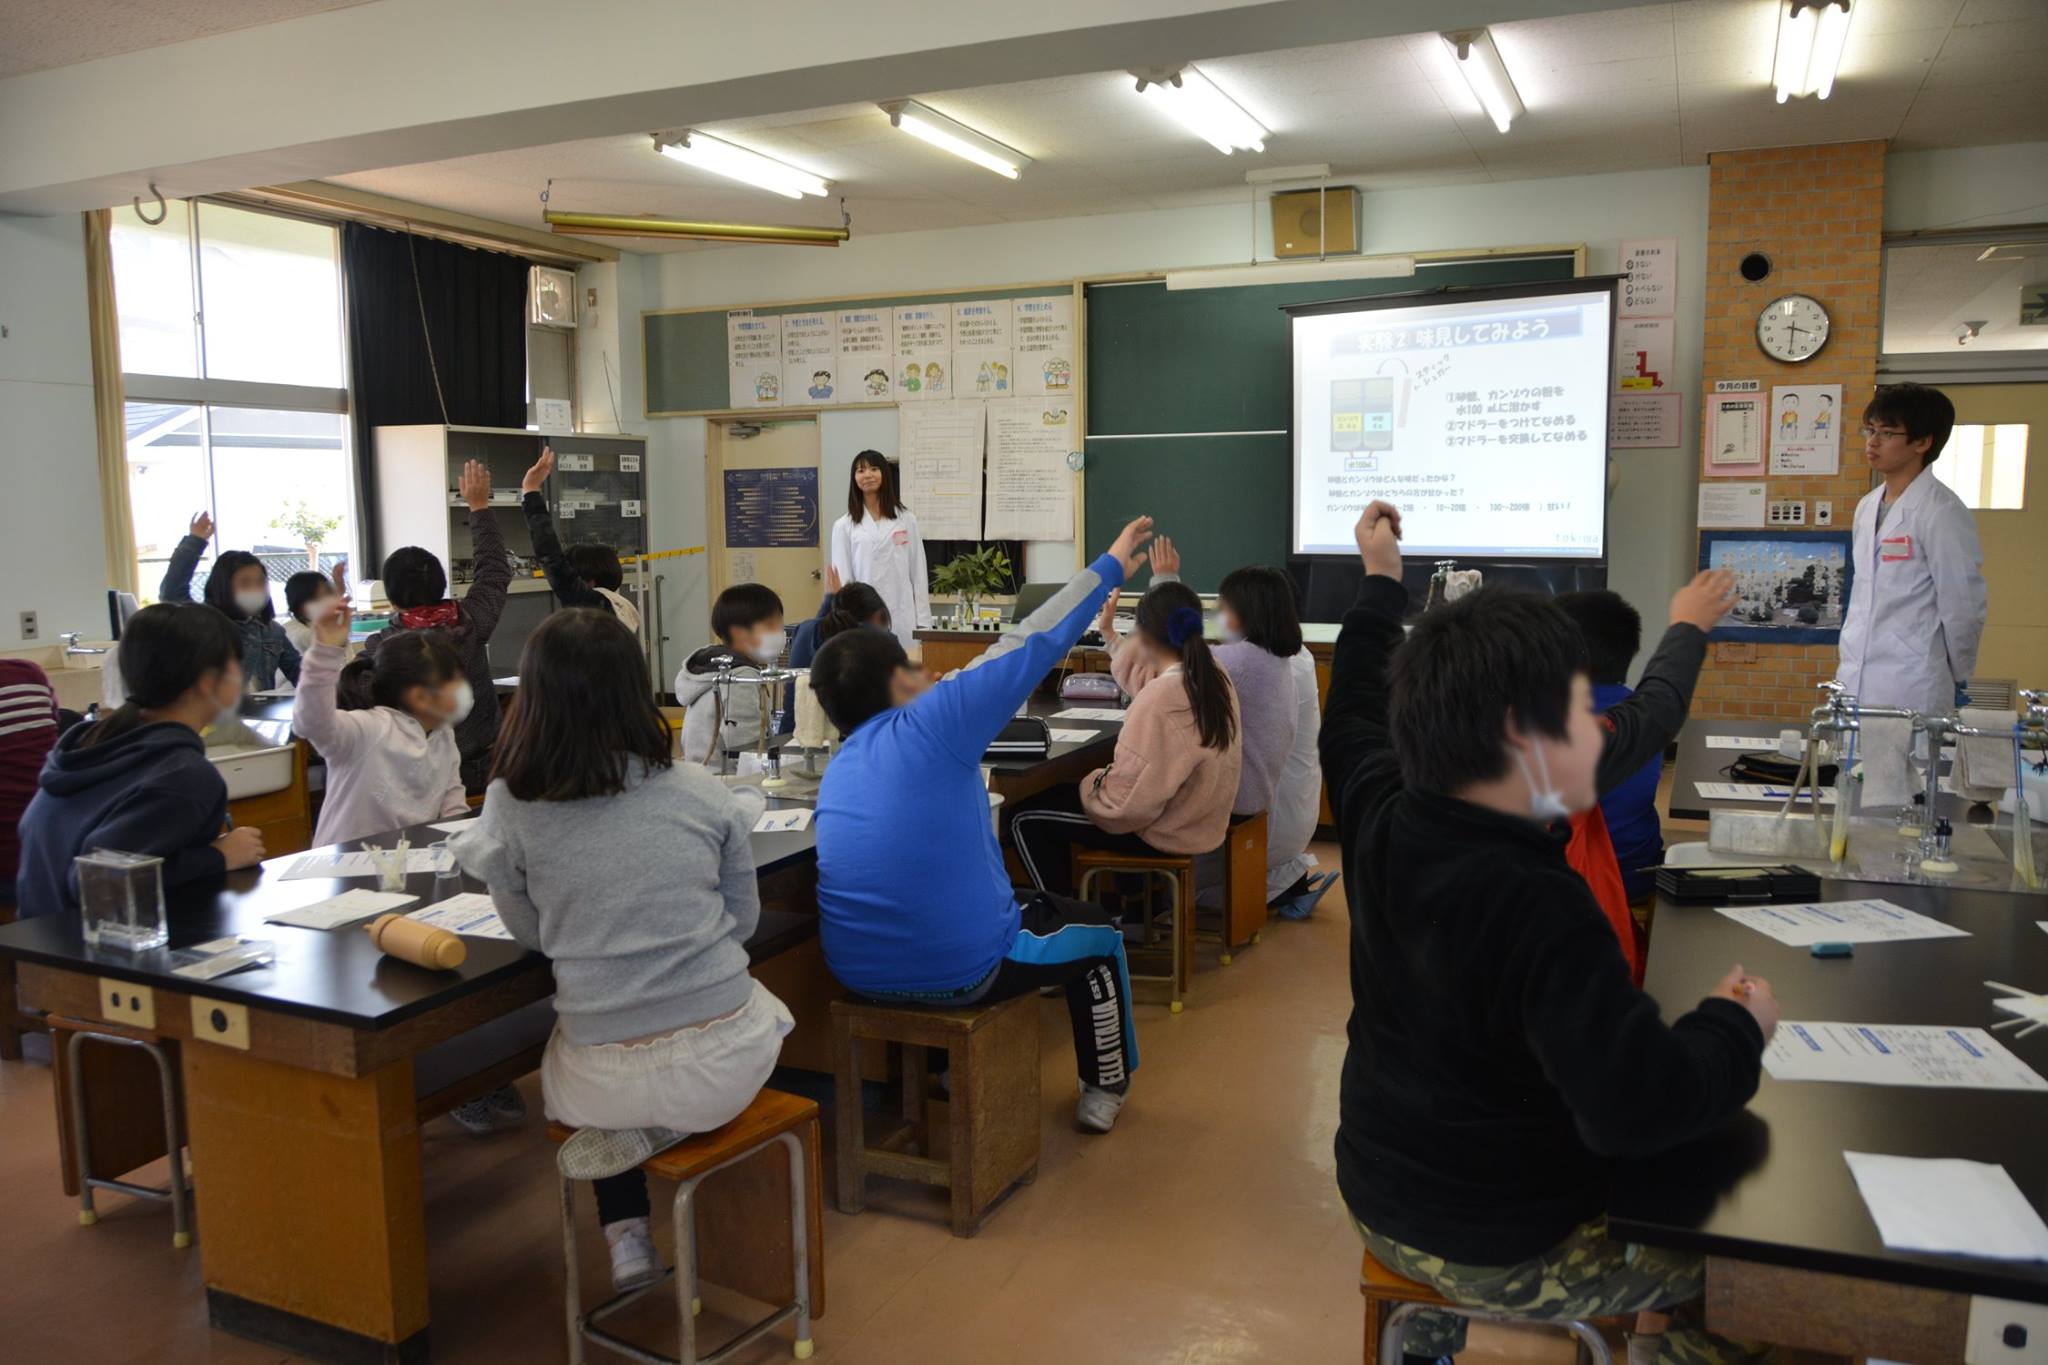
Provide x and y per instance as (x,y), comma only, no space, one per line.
(625,225)
(1486,74)
(1197,105)
(1294,272)
(1811,36)
(708,153)
(950,135)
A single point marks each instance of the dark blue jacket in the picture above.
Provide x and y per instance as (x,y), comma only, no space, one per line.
(265,650)
(150,790)
(1631,809)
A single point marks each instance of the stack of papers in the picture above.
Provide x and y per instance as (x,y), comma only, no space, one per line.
(356,863)
(1802,926)
(350,907)
(1897,1054)
(783,821)
(1060,736)
(1968,1208)
(1101,715)
(470,913)
(1753,791)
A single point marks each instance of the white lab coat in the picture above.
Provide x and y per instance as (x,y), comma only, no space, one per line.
(1917,601)
(888,556)
(1291,820)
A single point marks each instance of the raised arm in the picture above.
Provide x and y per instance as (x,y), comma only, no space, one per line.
(1355,713)
(567,585)
(491,573)
(1644,724)
(177,584)
(317,716)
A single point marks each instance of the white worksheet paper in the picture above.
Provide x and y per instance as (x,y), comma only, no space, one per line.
(1748,744)
(349,907)
(1897,1054)
(1060,736)
(1094,713)
(1966,1208)
(1867,921)
(356,863)
(783,821)
(1753,791)
(470,913)
(454,826)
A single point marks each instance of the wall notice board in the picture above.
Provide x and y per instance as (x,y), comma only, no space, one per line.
(690,369)
(1162,365)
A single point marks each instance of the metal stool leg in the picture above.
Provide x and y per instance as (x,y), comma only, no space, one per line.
(685,1214)
(1395,1326)
(572,1293)
(1181,931)
(81,1139)
(800,1243)
(81,1144)
(1590,1340)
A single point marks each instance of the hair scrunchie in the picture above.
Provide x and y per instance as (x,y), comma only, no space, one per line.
(1184,622)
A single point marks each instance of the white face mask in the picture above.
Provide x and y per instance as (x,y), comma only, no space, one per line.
(1227,633)
(251,601)
(765,651)
(1546,803)
(465,698)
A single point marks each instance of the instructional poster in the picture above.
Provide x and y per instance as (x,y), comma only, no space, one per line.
(1646,421)
(939,446)
(1043,344)
(1649,288)
(1725,505)
(981,349)
(1733,434)
(1642,354)
(753,348)
(810,359)
(867,355)
(924,355)
(1030,488)
(1806,435)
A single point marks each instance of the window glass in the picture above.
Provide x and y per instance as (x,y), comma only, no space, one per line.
(1965,298)
(167,483)
(271,290)
(282,485)
(153,292)
(1986,466)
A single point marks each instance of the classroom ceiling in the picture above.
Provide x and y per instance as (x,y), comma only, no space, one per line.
(36,34)
(1655,86)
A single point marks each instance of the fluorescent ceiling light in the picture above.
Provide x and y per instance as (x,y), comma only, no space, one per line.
(1274,175)
(949,135)
(708,153)
(1479,63)
(1811,35)
(1197,105)
(1294,272)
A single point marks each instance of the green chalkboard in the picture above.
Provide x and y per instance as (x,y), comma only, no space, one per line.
(1161,365)
(686,369)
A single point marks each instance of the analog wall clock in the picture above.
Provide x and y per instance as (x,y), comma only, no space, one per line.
(1793,328)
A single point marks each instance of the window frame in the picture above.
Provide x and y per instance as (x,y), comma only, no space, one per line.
(1963,364)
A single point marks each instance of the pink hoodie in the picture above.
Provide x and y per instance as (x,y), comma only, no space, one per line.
(1163,785)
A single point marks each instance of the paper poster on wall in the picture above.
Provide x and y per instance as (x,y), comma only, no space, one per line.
(983,374)
(1642,353)
(1731,435)
(1731,504)
(1806,433)
(553,415)
(983,325)
(1042,342)
(939,448)
(1030,488)
(1649,286)
(810,359)
(753,350)
(767,509)
(867,355)
(1644,421)
(924,353)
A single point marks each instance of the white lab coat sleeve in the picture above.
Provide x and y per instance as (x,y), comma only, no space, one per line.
(1960,597)
(842,550)
(920,579)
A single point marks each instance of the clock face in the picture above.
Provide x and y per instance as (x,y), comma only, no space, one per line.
(1793,328)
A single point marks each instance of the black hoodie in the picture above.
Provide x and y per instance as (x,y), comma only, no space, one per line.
(150,790)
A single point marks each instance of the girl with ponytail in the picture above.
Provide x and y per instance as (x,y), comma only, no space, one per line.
(139,781)
(1173,780)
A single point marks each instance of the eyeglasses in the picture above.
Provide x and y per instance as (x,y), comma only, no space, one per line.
(1881,433)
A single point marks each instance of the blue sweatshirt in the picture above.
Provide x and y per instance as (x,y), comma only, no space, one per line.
(150,790)
(912,892)
(1631,810)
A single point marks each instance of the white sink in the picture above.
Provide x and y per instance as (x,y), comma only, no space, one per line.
(253,770)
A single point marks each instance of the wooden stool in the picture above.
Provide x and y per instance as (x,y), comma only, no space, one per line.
(772,1117)
(992,1120)
(1244,882)
(1175,871)
(1407,1298)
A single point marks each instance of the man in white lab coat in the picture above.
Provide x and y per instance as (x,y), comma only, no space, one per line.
(1917,602)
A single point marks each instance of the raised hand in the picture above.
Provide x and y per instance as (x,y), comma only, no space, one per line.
(1704,601)
(202,526)
(331,626)
(1106,623)
(537,473)
(340,576)
(1378,533)
(476,485)
(1126,546)
(832,581)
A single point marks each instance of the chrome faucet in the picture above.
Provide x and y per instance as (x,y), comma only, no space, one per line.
(72,649)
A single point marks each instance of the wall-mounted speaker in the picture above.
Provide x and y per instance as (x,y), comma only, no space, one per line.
(1316,222)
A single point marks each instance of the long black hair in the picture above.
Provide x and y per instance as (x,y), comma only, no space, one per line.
(888,495)
(854,605)
(1171,615)
(220,585)
(409,659)
(165,651)
(583,712)
(1262,599)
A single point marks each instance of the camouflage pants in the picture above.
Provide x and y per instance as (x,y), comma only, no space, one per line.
(1588,1275)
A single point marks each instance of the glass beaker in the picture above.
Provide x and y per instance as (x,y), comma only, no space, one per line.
(121,896)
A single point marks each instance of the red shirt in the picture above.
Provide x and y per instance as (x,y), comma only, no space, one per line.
(1591,854)
(28,730)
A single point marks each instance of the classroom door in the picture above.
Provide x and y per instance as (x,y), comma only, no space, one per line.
(2015,540)
(765,520)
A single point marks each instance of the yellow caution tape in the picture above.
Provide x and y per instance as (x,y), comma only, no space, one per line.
(661,554)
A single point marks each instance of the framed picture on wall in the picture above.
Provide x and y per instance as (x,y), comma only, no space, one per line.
(1791,587)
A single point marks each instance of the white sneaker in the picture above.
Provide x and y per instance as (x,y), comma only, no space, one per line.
(635,1262)
(1097,1109)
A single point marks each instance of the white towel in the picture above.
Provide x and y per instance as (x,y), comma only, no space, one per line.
(1882,746)
(1984,766)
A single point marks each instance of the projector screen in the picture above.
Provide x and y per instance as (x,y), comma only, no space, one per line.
(1484,420)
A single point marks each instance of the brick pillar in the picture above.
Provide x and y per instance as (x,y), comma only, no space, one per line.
(1818,213)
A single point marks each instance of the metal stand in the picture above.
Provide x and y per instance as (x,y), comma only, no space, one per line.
(81,1139)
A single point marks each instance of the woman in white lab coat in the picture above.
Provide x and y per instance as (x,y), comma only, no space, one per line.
(1917,601)
(877,543)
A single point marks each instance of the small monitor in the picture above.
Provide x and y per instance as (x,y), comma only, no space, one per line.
(120,606)
(1032,596)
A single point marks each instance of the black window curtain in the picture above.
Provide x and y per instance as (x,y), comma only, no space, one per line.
(404,291)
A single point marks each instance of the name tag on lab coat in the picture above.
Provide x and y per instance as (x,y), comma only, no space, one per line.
(1895,549)
(901,538)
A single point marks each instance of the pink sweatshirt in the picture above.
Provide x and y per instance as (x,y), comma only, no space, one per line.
(1163,785)
(384,771)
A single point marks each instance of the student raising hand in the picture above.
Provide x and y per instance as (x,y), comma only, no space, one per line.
(476,485)
(1378,534)
(1126,546)
(1704,601)
(537,474)
(331,627)
(202,526)
(340,577)
(832,580)
(1107,622)
(1165,559)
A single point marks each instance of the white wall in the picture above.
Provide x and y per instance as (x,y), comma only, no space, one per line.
(52,555)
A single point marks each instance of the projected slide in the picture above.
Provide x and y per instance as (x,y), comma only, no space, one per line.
(1484,420)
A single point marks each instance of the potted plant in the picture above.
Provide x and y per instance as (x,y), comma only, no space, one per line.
(980,572)
(308,527)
